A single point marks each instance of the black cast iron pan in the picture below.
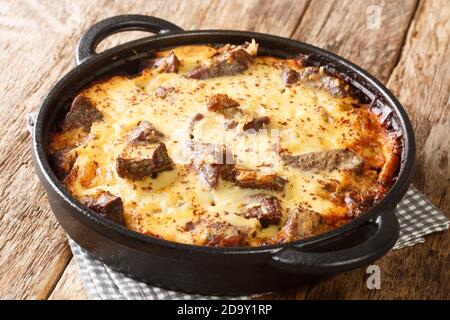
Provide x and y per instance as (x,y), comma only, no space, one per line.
(205,269)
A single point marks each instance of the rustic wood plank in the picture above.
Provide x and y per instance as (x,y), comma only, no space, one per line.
(369,33)
(421,82)
(70,286)
(33,249)
(37,43)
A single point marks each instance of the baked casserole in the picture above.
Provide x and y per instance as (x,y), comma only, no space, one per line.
(218,146)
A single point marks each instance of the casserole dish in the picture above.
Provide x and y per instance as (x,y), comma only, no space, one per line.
(205,269)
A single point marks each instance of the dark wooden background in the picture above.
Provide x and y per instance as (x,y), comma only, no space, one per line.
(404,43)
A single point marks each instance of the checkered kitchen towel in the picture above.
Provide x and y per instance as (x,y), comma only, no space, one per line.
(417,217)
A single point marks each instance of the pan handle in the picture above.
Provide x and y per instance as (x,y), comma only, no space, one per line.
(129,22)
(295,260)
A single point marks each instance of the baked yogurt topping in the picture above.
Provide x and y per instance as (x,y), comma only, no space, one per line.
(222,147)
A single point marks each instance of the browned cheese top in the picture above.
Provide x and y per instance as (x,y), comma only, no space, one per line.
(221,147)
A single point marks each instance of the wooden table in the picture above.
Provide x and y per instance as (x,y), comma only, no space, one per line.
(403,43)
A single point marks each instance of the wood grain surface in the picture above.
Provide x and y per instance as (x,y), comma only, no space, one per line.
(404,43)
(70,286)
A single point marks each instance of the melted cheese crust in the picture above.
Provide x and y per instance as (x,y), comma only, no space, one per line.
(303,119)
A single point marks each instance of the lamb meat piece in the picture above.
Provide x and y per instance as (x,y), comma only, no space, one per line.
(301,223)
(107,205)
(359,202)
(224,105)
(289,77)
(210,173)
(62,161)
(256,123)
(145,132)
(343,159)
(246,178)
(214,233)
(265,208)
(334,86)
(304,60)
(208,160)
(168,64)
(224,235)
(138,161)
(228,63)
(218,102)
(81,114)
(319,79)
(172,64)
(222,240)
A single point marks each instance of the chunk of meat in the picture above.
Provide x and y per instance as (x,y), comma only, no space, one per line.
(208,160)
(210,173)
(334,86)
(289,77)
(317,78)
(62,161)
(145,132)
(235,239)
(168,64)
(303,60)
(224,235)
(301,223)
(138,161)
(265,208)
(224,105)
(246,178)
(218,102)
(256,123)
(107,205)
(81,114)
(232,61)
(328,160)
(358,201)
